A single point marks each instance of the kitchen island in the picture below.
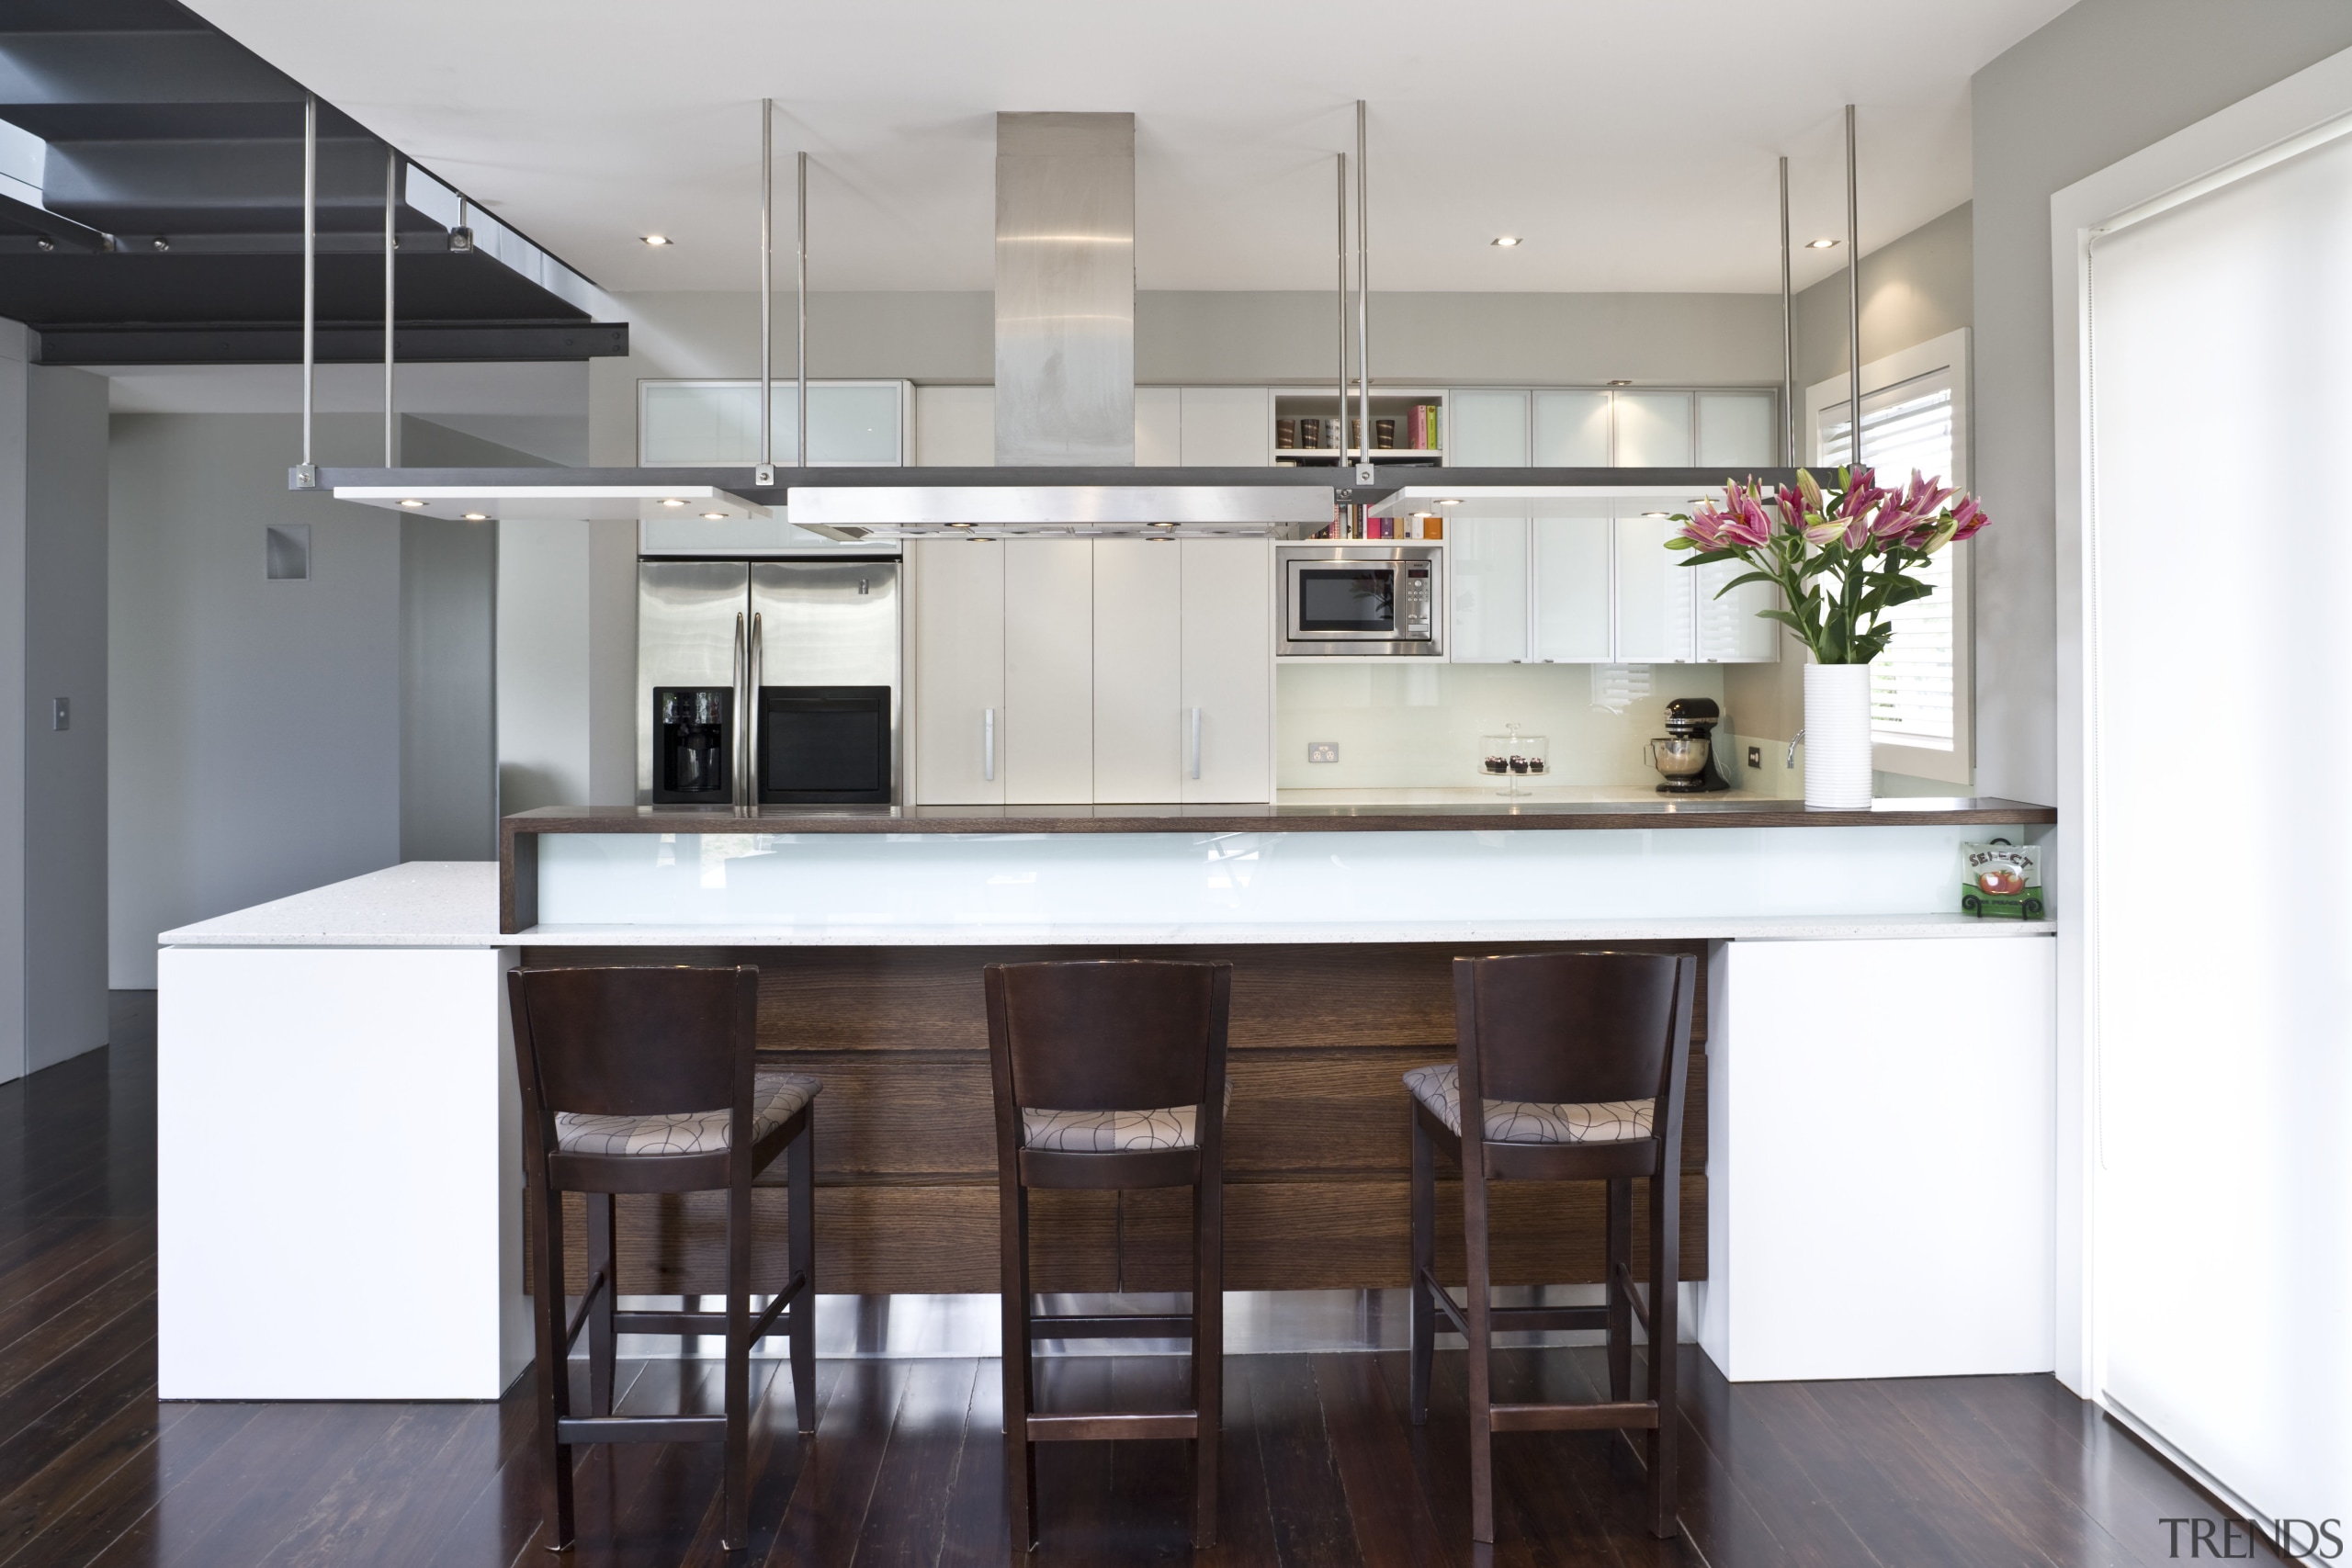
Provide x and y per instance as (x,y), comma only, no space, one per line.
(1871,1086)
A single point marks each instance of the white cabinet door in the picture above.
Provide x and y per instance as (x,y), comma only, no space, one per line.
(1048,735)
(1138,652)
(1730,630)
(1227,427)
(1571,430)
(1654,430)
(1735,431)
(1229,670)
(1160,427)
(1655,594)
(1488,559)
(1572,582)
(1489,428)
(955,600)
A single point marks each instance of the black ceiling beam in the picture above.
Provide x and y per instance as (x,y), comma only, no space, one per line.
(174,188)
(454,342)
(135,286)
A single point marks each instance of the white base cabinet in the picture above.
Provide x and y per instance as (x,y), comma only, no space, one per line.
(1065,672)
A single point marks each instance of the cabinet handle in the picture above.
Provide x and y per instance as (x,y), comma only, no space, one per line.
(987,744)
(1196,743)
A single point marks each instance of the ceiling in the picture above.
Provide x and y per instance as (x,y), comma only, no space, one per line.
(1633,144)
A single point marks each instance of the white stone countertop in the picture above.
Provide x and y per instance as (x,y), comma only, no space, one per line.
(455,904)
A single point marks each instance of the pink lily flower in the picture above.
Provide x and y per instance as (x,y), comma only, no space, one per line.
(1968,518)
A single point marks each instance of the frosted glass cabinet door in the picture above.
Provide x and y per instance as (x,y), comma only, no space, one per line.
(1571,430)
(1229,675)
(1487,559)
(1730,630)
(1572,590)
(1655,595)
(1735,431)
(956,597)
(1049,734)
(1489,428)
(1653,430)
(1226,427)
(1139,642)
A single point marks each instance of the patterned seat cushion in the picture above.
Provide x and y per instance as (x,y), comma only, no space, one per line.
(1523,1122)
(776,1097)
(1113,1131)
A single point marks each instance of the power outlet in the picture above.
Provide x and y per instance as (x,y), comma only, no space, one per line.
(1756,757)
(1322,751)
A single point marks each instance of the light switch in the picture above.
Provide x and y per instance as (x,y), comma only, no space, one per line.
(59,717)
(1322,751)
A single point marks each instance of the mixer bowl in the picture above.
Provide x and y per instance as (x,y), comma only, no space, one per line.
(1677,756)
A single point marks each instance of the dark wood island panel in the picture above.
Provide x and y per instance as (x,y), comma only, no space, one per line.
(1317,1149)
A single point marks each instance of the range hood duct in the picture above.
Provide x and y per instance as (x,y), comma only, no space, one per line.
(1066,290)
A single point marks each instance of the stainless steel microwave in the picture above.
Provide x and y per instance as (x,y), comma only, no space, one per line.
(1377,601)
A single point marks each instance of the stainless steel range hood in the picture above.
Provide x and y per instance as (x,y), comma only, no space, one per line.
(1065,290)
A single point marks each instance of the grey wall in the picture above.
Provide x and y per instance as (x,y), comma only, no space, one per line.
(52,644)
(2102,80)
(256,725)
(1914,289)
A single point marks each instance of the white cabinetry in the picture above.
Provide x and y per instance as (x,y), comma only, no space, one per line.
(1486,559)
(1225,427)
(955,604)
(1572,588)
(1048,640)
(1227,700)
(1656,597)
(1060,671)
(1571,429)
(1489,428)
(1160,426)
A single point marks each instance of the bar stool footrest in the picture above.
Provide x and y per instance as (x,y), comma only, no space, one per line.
(1116,1326)
(700,1323)
(1574,1417)
(1090,1428)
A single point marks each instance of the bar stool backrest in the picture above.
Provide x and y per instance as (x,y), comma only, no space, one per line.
(1120,1034)
(1566,1028)
(635,1041)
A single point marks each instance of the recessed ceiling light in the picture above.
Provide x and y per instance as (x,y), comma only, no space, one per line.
(714,517)
(1163,525)
(1505,240)
(1449,501)
(1159,538)
(959,524)
(477,516)
(1819,245)
(1657,513)
(671,501)
(411,503)
(655,239)
(1622,381)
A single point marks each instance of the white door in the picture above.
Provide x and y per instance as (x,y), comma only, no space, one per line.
(1227,427)
(1572,590)
(1138,652)
(1049,734)
(956,602)
(1486,559)
(1159,427)
(1227,703)
(1656,595)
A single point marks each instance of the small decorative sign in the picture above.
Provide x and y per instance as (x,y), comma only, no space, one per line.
(2001,878)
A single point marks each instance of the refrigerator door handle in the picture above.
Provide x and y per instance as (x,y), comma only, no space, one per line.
(987,744)
(1196,743)
(736,782)
(756,678)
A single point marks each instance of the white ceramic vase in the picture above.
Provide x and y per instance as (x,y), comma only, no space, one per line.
(1837,736)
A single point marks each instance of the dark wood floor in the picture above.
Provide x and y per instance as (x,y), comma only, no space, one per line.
(906,1467)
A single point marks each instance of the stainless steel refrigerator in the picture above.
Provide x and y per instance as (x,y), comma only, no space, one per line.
(767,682)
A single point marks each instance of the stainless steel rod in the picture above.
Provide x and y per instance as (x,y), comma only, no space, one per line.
(767,277)
(1788,337)
(391,243)
(1363,305)
(1853,301)
(1339,436)
(800,233)
(310,271)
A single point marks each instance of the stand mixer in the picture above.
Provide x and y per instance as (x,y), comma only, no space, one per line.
(1685,753)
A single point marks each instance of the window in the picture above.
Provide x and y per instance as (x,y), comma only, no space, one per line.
(1915,415)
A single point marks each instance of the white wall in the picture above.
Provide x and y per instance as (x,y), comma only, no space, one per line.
(52,644)
(567,664)
(256,726)
(2105,79)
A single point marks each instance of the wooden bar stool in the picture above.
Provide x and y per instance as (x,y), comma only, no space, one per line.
(644,1081)
(1110,1076)
(1580,1061)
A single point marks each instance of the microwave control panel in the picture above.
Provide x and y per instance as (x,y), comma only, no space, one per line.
(1414,615)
